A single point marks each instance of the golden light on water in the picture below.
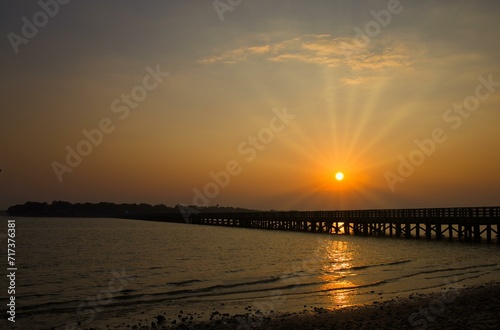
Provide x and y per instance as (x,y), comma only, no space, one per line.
(339,289)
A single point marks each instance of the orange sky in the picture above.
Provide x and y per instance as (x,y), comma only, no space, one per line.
(257,110)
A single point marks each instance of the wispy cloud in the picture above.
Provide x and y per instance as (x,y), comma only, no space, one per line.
(358,80)
(320,50)
(236,55)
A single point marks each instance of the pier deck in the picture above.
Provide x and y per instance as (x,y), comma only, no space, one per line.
(468,224)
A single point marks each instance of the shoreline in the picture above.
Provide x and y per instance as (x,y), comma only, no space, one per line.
(476,307)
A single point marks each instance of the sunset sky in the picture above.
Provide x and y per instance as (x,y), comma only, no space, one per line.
(280,95)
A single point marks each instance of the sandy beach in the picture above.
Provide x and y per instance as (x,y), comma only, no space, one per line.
(464,308)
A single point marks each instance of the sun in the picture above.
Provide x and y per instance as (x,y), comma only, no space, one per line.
(339,176)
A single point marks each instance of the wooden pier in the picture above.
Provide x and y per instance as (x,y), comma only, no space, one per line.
(472,224)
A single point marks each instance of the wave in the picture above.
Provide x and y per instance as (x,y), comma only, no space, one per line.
(381,265)
(399,262)
(447,285)
(444,270)
(449,269)
(184,283)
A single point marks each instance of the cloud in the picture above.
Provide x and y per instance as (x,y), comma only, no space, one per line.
(236,55)
(396,57)
(320,50)
(359,80)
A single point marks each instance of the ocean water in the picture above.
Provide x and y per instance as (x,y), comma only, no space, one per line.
(83,273)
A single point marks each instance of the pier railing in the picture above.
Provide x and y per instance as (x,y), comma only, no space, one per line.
(462,223)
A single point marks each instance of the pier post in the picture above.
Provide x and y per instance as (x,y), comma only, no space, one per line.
(468,232)
(407,230)
(498,233)
(439,233)
(329,227)
(428,230)
(477,233)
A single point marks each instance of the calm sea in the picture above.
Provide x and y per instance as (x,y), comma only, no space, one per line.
(109,271)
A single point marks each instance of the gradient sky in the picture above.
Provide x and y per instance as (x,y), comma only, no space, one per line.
(359,103)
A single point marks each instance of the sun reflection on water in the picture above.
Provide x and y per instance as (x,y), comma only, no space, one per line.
(338,287)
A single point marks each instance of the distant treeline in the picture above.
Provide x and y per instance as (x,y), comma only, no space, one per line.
(177,213)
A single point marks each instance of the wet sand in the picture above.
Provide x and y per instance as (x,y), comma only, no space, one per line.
(466,308)
(476,307)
